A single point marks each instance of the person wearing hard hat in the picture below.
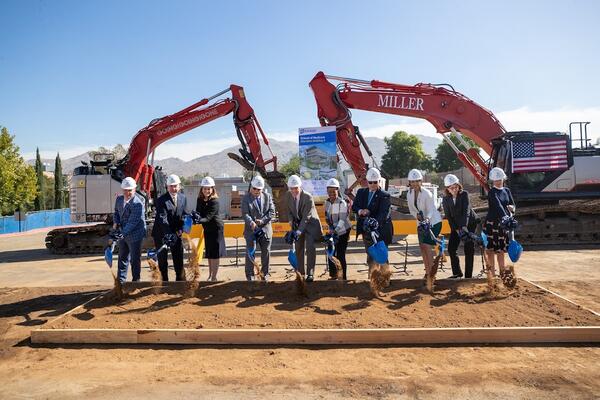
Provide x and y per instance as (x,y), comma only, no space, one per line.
(337,216)
(168,227)
(257,211)
(129,220)
(500,204)
(463,220)
(207,207)
(373,202)
(305,222)
(422,206)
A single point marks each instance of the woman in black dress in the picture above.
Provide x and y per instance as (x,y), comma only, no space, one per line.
(208,208)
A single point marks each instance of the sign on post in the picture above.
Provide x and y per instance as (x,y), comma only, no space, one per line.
(318,158)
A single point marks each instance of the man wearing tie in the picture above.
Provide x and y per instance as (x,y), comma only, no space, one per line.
(373,202)
(168,227)
(304,220)
(258,210)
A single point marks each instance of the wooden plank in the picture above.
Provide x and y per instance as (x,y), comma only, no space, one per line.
(561,297)
(416,336)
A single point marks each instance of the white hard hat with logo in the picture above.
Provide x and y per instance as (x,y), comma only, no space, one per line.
(450,180)
(173,180)
(128,183)
(415,175)
(373,175)
(207,182)
(258,182)
(497,174)
(294,181)
(334,183)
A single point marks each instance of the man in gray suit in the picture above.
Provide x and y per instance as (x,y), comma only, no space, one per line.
(304,220)
(258,210)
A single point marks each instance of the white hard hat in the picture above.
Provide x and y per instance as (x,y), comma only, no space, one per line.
(207,182)
(373,175)
(334,183)
(415,175)
(450,180)
(497,174)
(173,180)
(128,183)
(258,182)
(294,181)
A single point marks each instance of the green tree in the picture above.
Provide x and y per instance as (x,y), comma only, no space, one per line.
(48,193)
(403,153)
(445,158)
(59,184)
(17,179)
(291,167)
(40,199)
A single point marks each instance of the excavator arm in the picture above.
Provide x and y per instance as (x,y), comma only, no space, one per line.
(446,109)
(139,159)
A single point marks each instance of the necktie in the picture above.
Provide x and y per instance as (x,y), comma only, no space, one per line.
(258,202)
(175,200)
(370,197)
(297,199)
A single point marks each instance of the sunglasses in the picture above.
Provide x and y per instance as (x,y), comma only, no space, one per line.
(372,182)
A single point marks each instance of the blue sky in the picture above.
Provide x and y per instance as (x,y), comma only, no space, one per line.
(78,74)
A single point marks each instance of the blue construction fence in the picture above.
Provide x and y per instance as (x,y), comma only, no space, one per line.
(35,220)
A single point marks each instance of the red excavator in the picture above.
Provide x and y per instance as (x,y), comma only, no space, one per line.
(94,186)
(554,177)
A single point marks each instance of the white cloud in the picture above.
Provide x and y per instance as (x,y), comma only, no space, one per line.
(65,153)
(189,150)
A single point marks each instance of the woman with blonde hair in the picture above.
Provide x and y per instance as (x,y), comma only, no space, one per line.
(422,206)
(207,206)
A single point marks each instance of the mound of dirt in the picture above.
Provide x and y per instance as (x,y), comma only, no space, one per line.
(330,304)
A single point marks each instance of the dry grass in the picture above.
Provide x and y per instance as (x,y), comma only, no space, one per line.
(339,272)
(155,275)
(509,279)
(192,270)
(379,278)
(301,285)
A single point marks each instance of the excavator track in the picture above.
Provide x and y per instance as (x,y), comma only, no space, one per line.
(86,239)
(570,222)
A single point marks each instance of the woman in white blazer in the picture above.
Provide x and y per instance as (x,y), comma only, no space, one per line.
(421,205)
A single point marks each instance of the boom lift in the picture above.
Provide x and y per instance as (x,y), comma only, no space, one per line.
(558,195)
(95,186)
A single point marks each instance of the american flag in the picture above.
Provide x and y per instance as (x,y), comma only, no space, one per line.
(539,155)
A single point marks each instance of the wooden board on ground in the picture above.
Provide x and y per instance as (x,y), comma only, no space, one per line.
(239,313)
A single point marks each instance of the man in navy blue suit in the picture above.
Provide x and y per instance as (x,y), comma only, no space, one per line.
(129,220)
(168,227)
(372,202)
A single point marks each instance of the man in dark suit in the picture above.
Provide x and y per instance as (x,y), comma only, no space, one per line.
(374,203)
(258,210)
(168,227)
(305,221)
(129,220)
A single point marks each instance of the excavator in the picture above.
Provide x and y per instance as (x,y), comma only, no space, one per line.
(94,186)
(554,176)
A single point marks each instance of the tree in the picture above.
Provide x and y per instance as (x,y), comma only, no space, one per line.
(17,179)
(291,167)
(40,199)
(59,184)
(403,153)
(446,159)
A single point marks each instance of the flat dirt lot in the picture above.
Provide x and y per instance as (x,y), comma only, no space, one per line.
(38,287)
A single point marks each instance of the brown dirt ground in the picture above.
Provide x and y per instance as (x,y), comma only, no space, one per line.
(330,304)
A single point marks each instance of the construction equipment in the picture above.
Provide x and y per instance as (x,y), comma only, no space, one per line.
(95,186)
(554,177)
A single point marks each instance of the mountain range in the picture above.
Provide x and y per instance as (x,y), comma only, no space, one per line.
(219,164)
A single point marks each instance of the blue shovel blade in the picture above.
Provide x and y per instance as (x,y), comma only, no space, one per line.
(252,252)
(379,252)
(293,260)
(484,239)
(108,256)
(187,224)
(152,254)
(514,250)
